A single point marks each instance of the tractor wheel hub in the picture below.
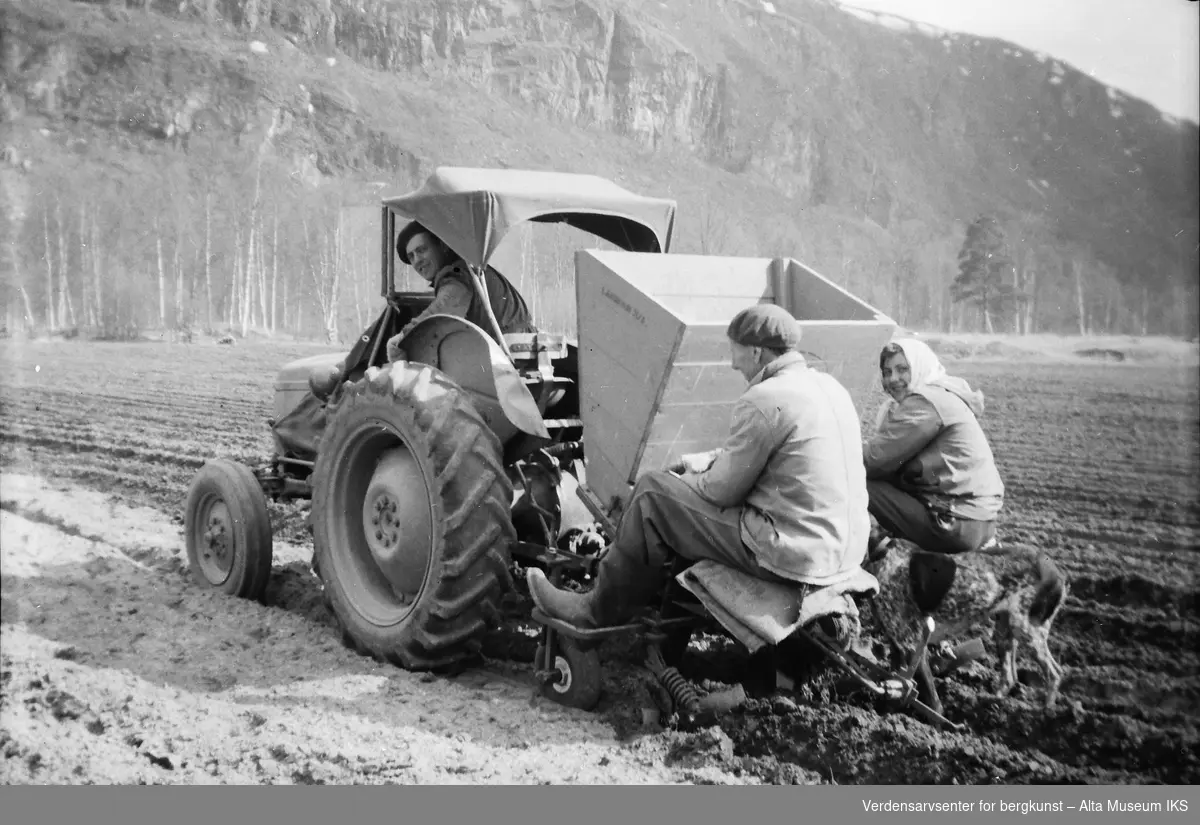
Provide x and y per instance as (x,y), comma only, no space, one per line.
(561,675)
(216,537)
(384,524)
(397,523)
(215,542)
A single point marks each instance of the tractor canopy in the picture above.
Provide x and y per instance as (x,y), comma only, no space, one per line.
(475,210)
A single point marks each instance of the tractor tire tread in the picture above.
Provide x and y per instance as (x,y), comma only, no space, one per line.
(461,598)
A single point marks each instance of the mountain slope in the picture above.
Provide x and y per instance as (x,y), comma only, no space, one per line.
(807,131)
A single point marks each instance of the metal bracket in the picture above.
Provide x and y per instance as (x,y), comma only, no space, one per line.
(898,691)
(919,653)
(593,505)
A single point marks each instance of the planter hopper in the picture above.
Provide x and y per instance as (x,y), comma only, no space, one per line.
(654,373)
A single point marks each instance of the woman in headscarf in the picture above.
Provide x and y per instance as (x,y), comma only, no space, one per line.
(931,477)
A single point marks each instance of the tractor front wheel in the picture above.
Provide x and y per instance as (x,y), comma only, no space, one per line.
(228,530)
(410,516)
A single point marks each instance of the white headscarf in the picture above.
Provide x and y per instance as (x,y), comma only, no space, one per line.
(927,371)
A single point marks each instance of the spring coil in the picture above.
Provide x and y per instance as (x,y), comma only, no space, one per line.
(678,688)
(682,693)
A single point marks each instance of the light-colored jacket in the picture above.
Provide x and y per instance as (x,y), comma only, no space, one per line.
(932,446)
(793,464)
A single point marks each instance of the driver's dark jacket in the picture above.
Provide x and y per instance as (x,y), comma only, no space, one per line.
(455,294)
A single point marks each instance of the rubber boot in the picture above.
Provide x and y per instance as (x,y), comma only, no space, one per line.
(623,586)
(573,608)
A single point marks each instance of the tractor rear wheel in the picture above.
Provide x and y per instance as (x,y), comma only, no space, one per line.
(411,519)
(228,530)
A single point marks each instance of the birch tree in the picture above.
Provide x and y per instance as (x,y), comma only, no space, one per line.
(51,320)
(66,308)
(324,270)
(208,291)
(162,275)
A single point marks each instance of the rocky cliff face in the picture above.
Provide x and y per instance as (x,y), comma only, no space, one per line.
(779,90)
(590,62)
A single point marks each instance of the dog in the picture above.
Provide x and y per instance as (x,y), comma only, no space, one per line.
(1016,589)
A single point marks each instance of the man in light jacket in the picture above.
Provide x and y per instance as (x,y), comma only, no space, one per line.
(784,499)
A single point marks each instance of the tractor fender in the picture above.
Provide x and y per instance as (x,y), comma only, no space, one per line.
(474,361)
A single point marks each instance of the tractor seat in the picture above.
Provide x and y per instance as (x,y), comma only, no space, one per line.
(757,612)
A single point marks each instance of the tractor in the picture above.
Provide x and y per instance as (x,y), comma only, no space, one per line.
(428,477)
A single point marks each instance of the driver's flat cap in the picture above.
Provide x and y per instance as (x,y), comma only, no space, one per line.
(765,325)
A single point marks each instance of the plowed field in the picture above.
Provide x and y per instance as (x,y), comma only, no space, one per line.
(118,668)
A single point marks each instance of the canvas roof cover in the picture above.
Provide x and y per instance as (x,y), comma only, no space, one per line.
(473,210)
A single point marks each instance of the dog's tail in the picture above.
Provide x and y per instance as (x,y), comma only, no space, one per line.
(1049,592)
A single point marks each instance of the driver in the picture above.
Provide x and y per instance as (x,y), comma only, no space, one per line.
(454,289)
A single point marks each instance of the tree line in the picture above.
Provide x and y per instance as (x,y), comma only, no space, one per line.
(1011,274)
(112,250)
(225,240)
(1028,286)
